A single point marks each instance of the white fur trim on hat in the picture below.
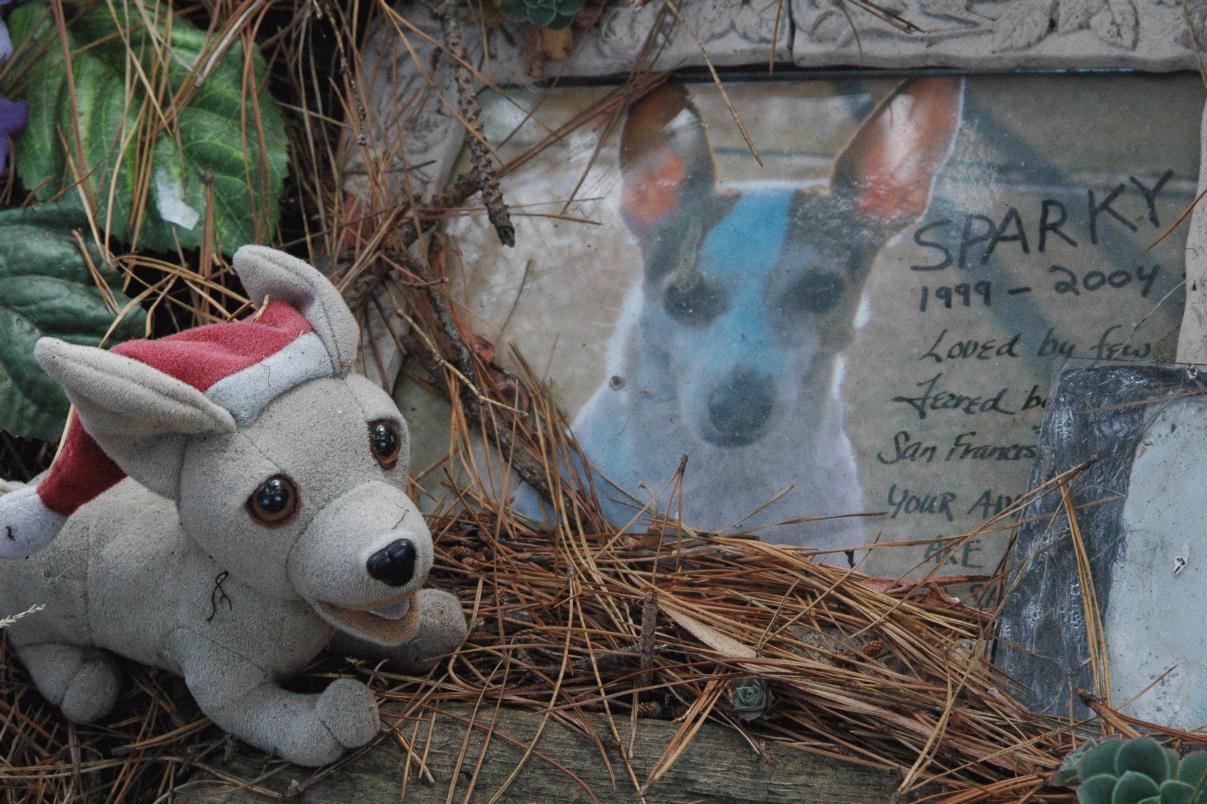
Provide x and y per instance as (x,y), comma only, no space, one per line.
(246,393)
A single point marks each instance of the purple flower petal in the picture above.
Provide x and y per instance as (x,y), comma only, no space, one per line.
(6,43)
(13,115)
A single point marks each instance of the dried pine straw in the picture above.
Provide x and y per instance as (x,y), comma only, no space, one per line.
(659,621)
(889,674)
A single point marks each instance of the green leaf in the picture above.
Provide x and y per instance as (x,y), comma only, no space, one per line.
(1175,792)
(1134,787)
(1101,759)
(1143,755)
(1065,777)
(541,16)
(46,289)
(1097,789)
(214,137)
(1193,769)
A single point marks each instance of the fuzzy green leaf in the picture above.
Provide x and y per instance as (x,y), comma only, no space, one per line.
(541,16)
(1175,792)
(214,137)
(1193,769)
(1101,759)
(46,289)
(1067,774)
(1097,789)
(1133,787)
(1143,755)
(1171,759)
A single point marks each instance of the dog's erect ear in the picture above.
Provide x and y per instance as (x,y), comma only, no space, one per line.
(139,416)
(282,277)
(665,160)
(889,167)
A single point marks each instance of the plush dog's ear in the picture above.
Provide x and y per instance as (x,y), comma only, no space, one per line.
(282,277)
(889,167)
(665,160)
(140,417)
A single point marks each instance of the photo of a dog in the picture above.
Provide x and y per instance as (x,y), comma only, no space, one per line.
(728,349)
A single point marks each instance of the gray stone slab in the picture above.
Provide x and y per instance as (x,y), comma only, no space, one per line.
(731,32)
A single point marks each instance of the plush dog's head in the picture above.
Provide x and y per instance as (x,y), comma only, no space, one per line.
(299,497)
(749,296)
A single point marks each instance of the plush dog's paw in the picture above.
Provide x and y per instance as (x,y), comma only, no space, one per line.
(349,711)
(93,690)
(443,622)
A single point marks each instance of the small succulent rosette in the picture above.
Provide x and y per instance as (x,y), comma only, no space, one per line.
(751,698)
(543,13)
(1135,771)
(13,114)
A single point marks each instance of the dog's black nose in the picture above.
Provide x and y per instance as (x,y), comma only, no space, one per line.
(738,410)
(393,564)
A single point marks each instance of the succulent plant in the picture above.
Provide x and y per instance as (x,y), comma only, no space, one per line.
(1135,771)
(543,13)
(751,698)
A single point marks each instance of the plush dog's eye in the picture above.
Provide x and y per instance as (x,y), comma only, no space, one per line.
(814,292)
(274,501)
(694,301)
(386,443)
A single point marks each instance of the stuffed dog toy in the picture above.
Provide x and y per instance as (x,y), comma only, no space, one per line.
(228,502)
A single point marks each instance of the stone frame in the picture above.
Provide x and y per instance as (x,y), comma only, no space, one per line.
(966,35)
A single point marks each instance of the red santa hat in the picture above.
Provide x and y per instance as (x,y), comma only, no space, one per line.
(240,365)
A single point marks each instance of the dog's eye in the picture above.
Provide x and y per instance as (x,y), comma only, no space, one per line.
(694,302)
(814,292)
(386,443)
(274,501)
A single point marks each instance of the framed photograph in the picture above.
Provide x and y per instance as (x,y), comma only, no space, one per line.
(855,300)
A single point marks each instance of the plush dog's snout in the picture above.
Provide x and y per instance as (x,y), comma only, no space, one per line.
(393,564)
(739,410)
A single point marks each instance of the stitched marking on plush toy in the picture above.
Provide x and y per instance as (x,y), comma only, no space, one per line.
(218,595)
(8,533)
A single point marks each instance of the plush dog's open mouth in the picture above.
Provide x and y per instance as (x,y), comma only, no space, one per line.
(386,622)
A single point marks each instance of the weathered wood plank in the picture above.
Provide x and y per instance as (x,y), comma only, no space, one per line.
(719,765)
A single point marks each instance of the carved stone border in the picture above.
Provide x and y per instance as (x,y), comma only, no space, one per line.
(417,153)
(1000,34)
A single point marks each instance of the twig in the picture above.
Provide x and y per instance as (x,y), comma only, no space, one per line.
(528,468)
(488,181)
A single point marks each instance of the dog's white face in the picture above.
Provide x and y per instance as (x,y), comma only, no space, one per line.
(309,502)
(746,341)
(727,354)
(749,297)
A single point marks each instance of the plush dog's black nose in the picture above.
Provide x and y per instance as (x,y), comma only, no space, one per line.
(393,564)
(739,409)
